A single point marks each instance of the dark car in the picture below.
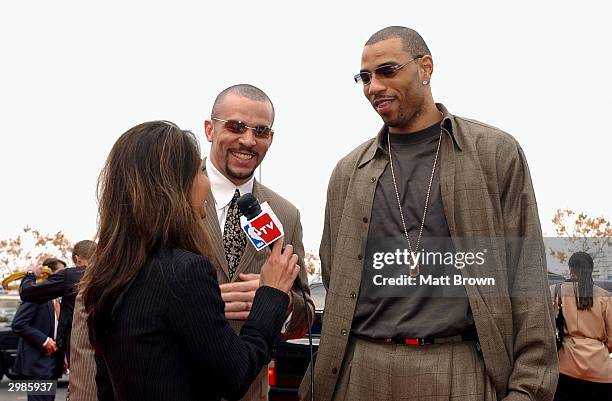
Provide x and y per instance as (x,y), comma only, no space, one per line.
(8,339)
(291,357)
(605,284)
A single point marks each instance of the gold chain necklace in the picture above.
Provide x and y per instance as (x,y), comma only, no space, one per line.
(414,270)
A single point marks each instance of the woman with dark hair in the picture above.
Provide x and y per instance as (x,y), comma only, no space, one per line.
(584,360)
(155,312)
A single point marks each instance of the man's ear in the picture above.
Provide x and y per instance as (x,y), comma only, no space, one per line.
(426,67)
(208,130)
(271,139)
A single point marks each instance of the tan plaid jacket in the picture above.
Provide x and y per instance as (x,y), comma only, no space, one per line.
(486,192)
(83,370)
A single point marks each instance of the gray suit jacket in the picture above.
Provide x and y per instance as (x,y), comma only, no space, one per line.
(488,197)
(82,369)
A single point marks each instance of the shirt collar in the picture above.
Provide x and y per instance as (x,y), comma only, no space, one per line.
(222,188)
(380,142)
(450,126)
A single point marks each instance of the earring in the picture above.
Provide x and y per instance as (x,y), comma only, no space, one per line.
(425,82)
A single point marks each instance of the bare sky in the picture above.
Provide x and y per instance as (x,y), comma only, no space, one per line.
(74,76)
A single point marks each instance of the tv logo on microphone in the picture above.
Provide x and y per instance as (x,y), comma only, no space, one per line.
(264,229)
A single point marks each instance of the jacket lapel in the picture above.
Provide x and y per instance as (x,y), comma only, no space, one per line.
(211,224)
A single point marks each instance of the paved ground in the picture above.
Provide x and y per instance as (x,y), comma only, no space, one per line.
(5,395)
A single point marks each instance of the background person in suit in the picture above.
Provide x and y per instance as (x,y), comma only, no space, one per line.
(428,181)
(155,312)
(63,284)
(37,356)
(585,367)
(236,151)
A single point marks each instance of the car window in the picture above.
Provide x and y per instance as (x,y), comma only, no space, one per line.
(317,292)
(9,303)
(8,307)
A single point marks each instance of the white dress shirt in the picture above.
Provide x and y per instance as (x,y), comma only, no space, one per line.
(55,320)
(223,191)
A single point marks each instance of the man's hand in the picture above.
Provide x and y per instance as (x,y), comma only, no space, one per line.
(238,296)
(36,269)
(50,346)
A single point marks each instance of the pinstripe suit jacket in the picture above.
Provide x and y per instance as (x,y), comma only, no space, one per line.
(486,192)
(82,369)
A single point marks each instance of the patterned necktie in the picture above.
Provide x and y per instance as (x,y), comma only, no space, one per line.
(234,240)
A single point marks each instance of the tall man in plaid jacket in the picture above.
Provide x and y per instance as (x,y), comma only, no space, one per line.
(431,181)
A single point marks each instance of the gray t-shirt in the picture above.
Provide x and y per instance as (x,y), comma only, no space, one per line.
(410,311)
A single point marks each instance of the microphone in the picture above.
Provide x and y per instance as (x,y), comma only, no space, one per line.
(249,206)
(260,224)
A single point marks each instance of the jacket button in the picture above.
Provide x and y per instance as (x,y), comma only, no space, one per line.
(334,371)
(359,257)
(353,295)
(365,219)
(373,179)
(343,332)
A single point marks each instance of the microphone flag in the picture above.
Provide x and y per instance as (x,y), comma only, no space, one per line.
(263,229)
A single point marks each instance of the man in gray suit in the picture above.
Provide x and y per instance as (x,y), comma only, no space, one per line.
(240,134)
(431,183)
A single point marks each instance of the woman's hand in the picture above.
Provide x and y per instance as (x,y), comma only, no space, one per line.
(281,268)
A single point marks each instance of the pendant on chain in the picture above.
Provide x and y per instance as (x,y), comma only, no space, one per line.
(414,270)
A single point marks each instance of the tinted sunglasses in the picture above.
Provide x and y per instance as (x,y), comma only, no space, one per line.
(238,127)
(385,70)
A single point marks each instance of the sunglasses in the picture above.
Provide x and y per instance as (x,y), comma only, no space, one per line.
(385,70)
(238,127)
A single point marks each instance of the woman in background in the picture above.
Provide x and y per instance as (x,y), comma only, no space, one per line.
(155,312)
(584,362)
